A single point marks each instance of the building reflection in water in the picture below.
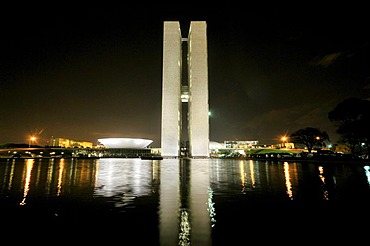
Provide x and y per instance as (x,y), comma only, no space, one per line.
(185,206)
(198,200)
(188,194)
(126,179)
(169,202)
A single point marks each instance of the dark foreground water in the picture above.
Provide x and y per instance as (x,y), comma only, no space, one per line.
(183,202)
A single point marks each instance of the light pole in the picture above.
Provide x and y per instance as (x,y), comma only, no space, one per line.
(318,141)
(32,139)
(283,140)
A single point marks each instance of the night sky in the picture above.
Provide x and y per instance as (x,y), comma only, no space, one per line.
(90,74)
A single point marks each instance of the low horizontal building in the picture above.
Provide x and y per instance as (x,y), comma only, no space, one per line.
(69,143)
(234,144)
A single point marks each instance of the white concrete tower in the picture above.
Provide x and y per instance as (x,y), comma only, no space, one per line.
(171,89)
(198,118)
(197,89)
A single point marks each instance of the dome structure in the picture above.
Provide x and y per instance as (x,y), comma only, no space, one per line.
(125,143)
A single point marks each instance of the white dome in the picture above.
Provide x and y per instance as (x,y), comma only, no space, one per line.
(125,143)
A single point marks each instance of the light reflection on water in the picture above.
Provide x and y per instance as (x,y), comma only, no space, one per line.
(367,172)
(125,180)
(186,201)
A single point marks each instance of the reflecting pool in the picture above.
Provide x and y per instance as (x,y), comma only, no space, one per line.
(183,201)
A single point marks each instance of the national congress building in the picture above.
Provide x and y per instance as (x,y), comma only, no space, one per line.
(194,93)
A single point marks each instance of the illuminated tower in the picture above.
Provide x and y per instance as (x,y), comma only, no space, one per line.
(195,93)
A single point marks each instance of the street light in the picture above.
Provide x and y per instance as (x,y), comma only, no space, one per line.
(32,139)
(283,140)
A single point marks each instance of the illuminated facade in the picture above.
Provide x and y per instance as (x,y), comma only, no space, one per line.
(125,143)
(234,144)
(69,143)
(195,93)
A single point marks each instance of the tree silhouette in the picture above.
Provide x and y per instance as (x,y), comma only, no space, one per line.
(352,117)
(310,137)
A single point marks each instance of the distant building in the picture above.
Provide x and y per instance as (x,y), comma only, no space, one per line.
(69,143)
(240,144)
(231,148)
(287,145)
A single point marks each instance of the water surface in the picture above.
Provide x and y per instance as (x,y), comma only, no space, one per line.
(183,201)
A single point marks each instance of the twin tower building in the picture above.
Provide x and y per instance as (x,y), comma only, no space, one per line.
(185,83)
